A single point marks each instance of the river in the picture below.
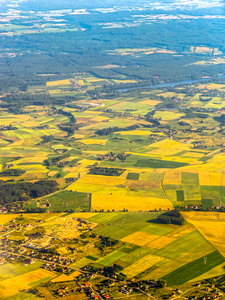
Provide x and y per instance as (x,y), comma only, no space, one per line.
(168,84)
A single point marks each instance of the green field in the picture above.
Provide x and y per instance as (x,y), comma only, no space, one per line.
(22,296)
(156,163)
(180,195)
(67,201)
(133,176)
(194,269)
(111,258)
(15,269)
(189,178)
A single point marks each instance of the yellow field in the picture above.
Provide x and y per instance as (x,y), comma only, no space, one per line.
(215,86)
(45,217)
(98,188)
(78,136)
(141,265)
(193,154)
(172,177)
(169,115)
(179,232)
(99,119)
(170,144)
(17,143)
(139,238)
(36,159)
(52,173)
(172,94)
(93,141)
(119,202)
(80,82)
(160,242)
(209,178)
(6,218)
(64,277)
(58,82)
(100,179)
(13,285)
(150,102)
(212,227)
(84,215)
(94,112)
(223,180)
(21,117)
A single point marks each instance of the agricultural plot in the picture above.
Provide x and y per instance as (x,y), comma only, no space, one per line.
(66,201)
(13,285)
(211,225)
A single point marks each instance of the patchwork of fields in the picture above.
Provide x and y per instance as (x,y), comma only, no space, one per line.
(160,171)
(173,253)
(145,250)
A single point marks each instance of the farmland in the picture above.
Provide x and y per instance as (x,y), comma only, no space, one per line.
(112,152)
(162,166)
(140,247)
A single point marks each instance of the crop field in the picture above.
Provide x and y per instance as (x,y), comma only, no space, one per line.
(140,238)
(211,226)
(135,203)
(171,252)
(58,82)
(6,218)
(150,102)
(65,201)
(13,285)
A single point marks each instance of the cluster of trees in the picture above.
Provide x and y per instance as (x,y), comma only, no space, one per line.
(25,190)
(152,120)
(145,285)
(35,210)
(12,172)
(15,102)
(106,171)
(54,160)
(107,131)
(195,115)
(111,270)
(104,242)
(8,127)
(171,217)
(70,126)
(46,139)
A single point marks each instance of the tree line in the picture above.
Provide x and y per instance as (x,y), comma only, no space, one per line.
(23,191)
